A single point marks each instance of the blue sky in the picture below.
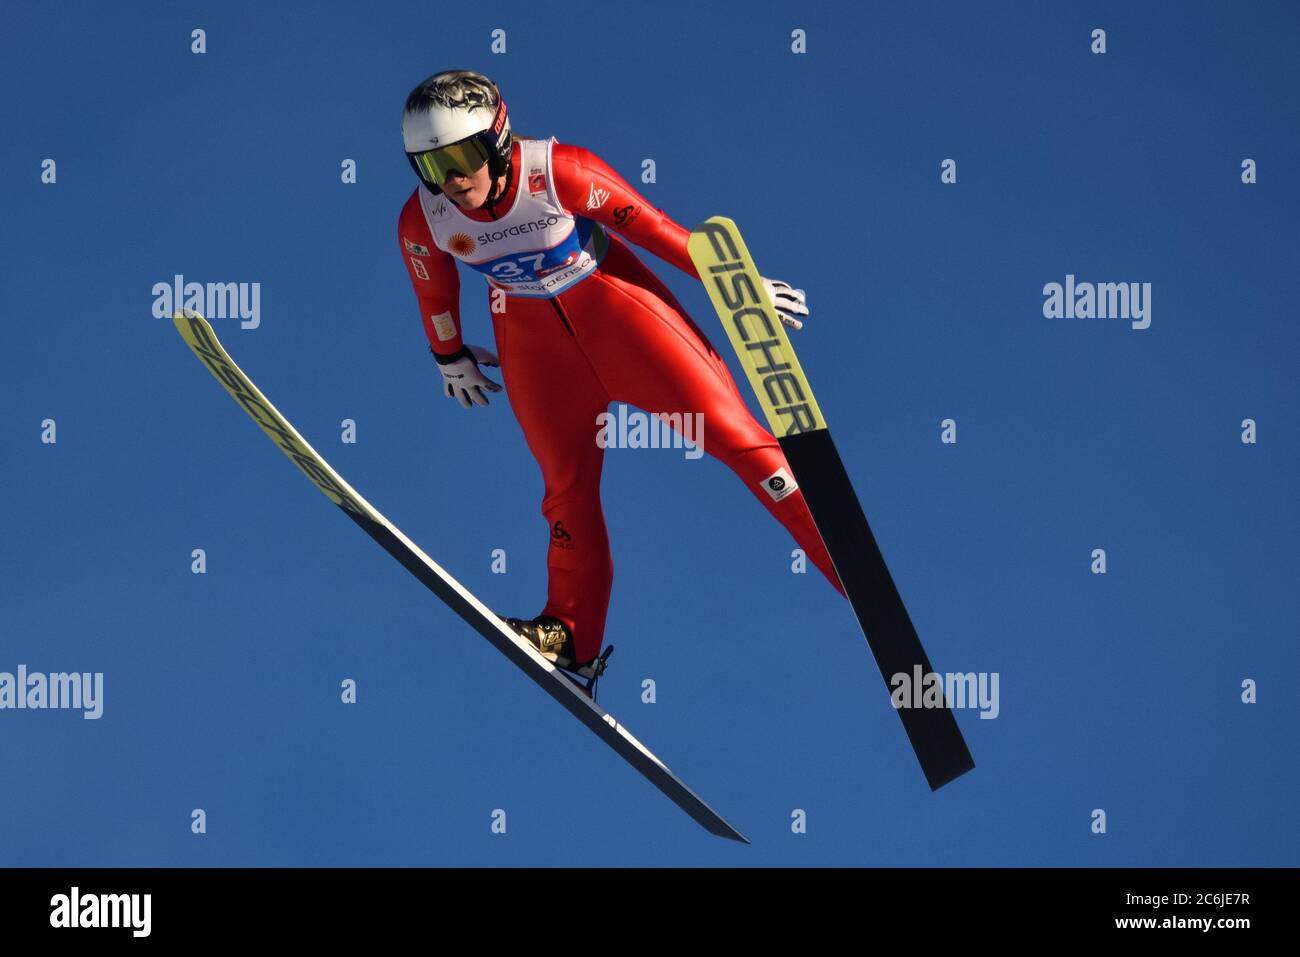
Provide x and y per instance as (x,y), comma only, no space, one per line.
(1119,692)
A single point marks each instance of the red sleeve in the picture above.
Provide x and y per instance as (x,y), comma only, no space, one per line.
(588,187)
(433,274)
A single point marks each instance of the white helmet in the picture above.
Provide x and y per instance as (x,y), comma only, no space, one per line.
(456,120)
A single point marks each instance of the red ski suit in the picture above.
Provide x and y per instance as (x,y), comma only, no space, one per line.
(617,335)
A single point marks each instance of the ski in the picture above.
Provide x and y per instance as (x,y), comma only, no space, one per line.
(198,335)
(761,343)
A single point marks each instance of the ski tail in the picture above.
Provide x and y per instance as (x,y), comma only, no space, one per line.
(773,370)
(877,605)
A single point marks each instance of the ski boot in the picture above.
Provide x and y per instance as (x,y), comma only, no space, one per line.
(551,638)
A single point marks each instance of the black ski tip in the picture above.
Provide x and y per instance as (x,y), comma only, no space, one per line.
(719,827)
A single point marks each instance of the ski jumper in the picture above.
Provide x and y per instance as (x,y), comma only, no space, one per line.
(586,323)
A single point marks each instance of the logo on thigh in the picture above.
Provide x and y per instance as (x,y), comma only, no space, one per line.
(780,484)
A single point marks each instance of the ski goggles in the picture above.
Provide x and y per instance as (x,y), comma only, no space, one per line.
(435,166)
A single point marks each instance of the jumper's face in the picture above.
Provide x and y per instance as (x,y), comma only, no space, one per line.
(468,192)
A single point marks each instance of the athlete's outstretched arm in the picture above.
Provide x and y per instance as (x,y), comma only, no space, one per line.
(588,187)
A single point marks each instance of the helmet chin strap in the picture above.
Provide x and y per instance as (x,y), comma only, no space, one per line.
(494,197)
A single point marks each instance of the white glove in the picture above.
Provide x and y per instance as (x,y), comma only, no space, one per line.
(788,302)
(461,378)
